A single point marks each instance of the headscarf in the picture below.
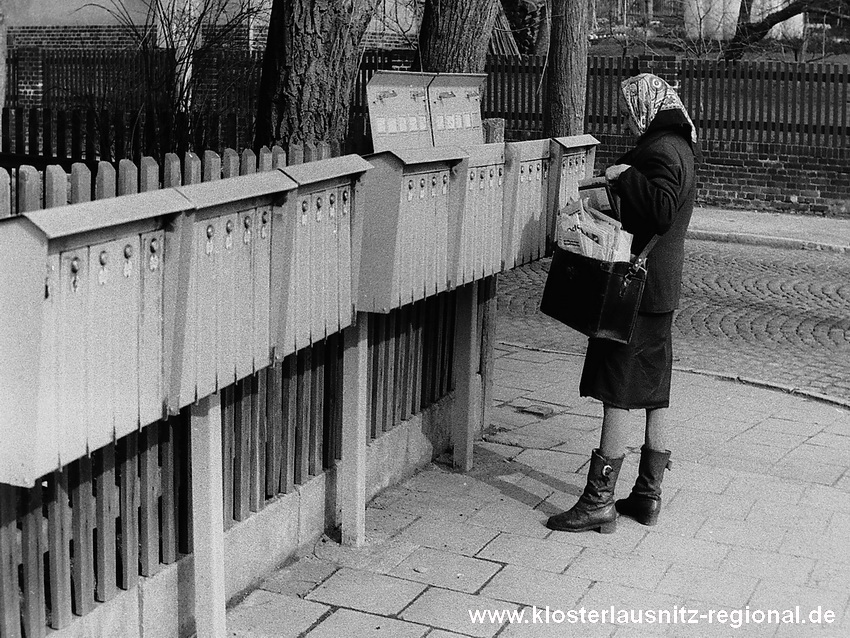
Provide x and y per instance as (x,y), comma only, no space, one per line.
(647,94)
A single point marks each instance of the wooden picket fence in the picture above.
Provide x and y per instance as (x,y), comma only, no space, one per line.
(91,530)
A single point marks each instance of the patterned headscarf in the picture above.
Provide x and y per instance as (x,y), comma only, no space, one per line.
(647,94)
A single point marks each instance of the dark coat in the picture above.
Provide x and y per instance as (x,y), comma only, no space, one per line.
(657,197)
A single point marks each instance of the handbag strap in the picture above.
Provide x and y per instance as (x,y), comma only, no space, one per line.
(640,260)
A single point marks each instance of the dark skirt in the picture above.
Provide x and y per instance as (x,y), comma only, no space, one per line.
(635,375)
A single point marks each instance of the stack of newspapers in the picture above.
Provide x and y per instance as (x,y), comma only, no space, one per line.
(586,231)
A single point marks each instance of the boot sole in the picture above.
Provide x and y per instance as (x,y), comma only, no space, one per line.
(604,528)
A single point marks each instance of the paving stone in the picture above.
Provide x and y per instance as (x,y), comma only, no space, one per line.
(376,555)
(511,516)
(618,568)
(450,536)
(536,356)
(510,418)
(505,394)
(450,610)
(816,456)
(682,550)
(753,453)
(688,474)
(555,629)
(771,595)
(694,502)
(529,586)
(790,426)
(555,464)
(532,553)
(602,596)
(770,566)
(366,591)
(825,545)
(709,585)
(692,444)
(300,578)
(628,536)
(707,620)
(440,633)
(771,438)
(778,493)
(804,470)
(821,496)
(741,533)
(800,518)
(345,622)
(447,570)
(265,614)
(830,574)
(384,523)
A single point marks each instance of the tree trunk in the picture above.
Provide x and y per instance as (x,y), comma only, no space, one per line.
(566,84)
(455,35)
(309,70)
(544,29)
(749,33)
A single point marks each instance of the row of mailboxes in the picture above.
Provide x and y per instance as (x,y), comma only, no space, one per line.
(312,258)
(121,310)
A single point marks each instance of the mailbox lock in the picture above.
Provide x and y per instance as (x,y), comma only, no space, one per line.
(75,265)
(471,175)
(154,246)
(433,180)
(128,251)
(210,231)
(247,222)
(229,226)
(422,183)
(344,196)
(410,185)
(318,202)
(304,206)
(265,217)
(332,199)
(103,258)
(445,179)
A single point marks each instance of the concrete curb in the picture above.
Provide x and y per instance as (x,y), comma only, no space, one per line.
(764,240)
(759,383)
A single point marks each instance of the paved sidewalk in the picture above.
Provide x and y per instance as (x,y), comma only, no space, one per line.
(756,513)
(773,229)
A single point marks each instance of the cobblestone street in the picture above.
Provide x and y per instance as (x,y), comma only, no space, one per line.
(761,313)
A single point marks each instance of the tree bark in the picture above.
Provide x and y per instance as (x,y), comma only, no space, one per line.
(455,35)
(309,70)
(749,33)
(566,75)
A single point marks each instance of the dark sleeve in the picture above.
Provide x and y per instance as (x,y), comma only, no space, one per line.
(650,190)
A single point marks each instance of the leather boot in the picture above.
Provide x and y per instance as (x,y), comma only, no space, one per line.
(595,507)
(644,503)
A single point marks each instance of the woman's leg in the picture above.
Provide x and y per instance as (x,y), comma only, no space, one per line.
(655,437)
(615,423)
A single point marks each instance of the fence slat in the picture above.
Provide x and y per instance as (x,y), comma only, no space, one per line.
(10,600)
(58,543)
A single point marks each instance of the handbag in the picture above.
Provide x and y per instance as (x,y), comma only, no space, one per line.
(598,298)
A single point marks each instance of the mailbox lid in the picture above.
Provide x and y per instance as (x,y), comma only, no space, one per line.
(105,213)
(486,154)
(528,150)
(455,104)
(234,189)
(398,110)
(326,170)
(576,141)
(414,156)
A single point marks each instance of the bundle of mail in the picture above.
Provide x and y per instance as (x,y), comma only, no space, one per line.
(584,230)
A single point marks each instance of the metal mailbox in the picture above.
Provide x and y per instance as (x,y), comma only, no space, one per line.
(220,299)
(312,258)
(476,232)
(402,226)
(571,160)
(398,110)
(454,101)
(526,208)
(82,365)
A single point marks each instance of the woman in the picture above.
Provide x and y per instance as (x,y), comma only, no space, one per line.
(655,182)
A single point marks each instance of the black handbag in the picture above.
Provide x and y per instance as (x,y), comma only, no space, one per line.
(598,298)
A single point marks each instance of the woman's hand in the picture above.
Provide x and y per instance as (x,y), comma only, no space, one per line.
(612,173)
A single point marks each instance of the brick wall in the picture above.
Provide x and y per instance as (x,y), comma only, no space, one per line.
(778,177)
(72,37)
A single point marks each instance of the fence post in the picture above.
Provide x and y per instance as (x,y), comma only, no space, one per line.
(208,517)
(212,166)
(55,187)
(465,375)
(354,431)
(29,189)
(104,181)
